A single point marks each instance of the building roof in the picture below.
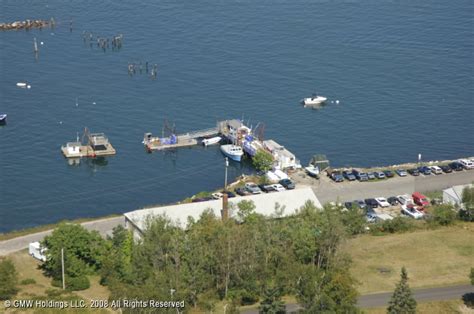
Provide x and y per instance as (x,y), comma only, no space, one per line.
(274,147)
(456,191)
(291,200)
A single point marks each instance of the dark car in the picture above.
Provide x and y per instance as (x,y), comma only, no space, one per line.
(389,173)
(359,203)
(242,191)
(361,176)
(229,194)
(287,184)
(446,169)
(456,166)
(414,172)
(349,205)
(393,200)
(201,199)
(266,188)
(348,175)
(424,170)
(337,176)
(371,203)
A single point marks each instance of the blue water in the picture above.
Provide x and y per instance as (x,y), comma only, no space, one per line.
(402,71)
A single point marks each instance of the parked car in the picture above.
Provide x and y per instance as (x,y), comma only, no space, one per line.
(379,175)
(337,176)
(217,195)
(393,200)
(411,211)
(382,201)
(278,187)
(348,175)
(361,176)
(420,199)
(252,188)
(287,183)
(446,169)
(405,199)
(389,173)
(401,172)
(466,163)
(371,175)
(360,203)
(456,166)
(414,172)
(436,170)
(242,191)
(349,205)
(266,188)
(425,170)
(201,199)
(371,217)
(371,203)
(229,194)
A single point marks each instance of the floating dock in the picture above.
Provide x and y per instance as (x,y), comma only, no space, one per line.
(98,145)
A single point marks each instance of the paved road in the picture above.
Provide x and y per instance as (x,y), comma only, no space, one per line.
(381,299)
(104,226)
(328,191)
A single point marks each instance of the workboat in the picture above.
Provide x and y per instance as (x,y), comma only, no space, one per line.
(3,118)
(314,100)
(211,141)
(234,152)
(312,171)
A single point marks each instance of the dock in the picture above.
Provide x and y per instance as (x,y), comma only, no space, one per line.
(97,145)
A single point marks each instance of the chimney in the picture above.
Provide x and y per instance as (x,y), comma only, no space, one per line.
(225,207)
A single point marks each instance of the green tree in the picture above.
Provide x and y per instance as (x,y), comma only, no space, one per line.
(402,300)
(8,279)
(262,160)
(444,215)
(272,302)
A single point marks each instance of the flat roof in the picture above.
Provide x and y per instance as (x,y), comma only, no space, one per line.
(290,200)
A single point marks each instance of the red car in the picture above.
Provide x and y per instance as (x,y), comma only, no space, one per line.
(420,199)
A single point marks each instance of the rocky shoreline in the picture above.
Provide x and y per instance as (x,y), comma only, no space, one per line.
(27,24)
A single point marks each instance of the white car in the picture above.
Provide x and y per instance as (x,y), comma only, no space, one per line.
(252,188)
(466,163)
(217,195)
(405,199)
(382,202)
(278,187)
(436,170)
(411,211)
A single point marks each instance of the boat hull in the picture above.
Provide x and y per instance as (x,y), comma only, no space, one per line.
(225,149)
(211,141)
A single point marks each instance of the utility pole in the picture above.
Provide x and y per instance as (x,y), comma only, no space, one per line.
(226,165)
(62,268)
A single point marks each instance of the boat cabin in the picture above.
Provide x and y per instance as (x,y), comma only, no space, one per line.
(73,148)
(98,141)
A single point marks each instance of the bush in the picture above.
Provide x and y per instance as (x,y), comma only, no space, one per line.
(466,215)
(28,281)
(443,215)
(262,160)
(77,283)
(9,279)
(397,224)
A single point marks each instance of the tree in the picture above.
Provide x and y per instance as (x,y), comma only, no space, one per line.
(444,214)
(272,302)
(262,160)
(402,300)
(8,279)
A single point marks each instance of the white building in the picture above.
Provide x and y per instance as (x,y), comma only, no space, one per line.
(289,202)
(283,157)
(453,195)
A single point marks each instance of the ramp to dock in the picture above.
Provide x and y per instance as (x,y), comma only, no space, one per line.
(201,133)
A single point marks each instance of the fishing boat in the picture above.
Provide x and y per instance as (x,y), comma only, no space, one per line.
(3,118)
(312,171)
(232,151)
(314,100)
(211,141)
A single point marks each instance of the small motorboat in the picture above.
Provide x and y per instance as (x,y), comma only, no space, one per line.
(312,171)
(314,100)
(211,141)
(3,118)
(23,85)
(232,151)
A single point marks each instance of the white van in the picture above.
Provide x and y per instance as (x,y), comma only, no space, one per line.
(466,163)
(436,170)
(36,251)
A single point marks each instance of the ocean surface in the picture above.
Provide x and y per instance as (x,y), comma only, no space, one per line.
(401,70)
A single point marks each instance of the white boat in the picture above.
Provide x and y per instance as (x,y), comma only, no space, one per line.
(21,84)
(3,118)
(314,100)
(211,141)
(234,152)
(312,171)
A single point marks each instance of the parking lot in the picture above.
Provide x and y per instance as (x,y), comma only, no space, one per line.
(329,191)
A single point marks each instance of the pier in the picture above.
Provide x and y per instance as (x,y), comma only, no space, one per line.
(27,24)
(97,145)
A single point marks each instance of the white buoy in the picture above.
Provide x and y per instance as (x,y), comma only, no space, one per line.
(60,122)
(29,86)
(93,102)
(332,102)
(337,101)
(42,43)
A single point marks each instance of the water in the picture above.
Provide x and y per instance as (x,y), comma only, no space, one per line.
(403,72)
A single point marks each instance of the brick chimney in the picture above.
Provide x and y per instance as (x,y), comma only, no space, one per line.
(225,207)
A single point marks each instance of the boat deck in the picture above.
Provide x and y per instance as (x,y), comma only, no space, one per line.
(88,151)
(182,141)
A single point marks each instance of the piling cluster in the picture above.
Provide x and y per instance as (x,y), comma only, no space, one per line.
(27,24)
(104,43)
(143,68)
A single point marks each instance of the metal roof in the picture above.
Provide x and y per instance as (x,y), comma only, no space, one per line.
(290,200)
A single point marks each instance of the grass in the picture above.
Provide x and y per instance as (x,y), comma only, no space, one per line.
(433,258)
(437,307)
(27,231)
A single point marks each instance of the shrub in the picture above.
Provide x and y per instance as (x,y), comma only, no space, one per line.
(443,215)
(8,280)
(28,281)
(397,224)
(77,283)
